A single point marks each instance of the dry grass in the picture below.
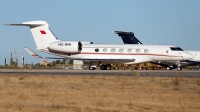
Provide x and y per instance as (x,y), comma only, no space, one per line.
(98,93)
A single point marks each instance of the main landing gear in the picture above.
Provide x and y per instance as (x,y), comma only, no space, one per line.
(92,68)
(105,67)
(102,67)
(169,68)
(179,68)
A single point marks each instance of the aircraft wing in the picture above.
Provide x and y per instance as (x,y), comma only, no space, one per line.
(38,56)
(115,59)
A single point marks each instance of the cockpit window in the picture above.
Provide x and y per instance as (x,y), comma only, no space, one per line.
(176,49)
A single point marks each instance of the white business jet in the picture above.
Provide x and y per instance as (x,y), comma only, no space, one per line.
(100,53)
(129,38)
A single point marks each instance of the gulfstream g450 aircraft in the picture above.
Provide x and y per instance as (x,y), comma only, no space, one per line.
(100,53)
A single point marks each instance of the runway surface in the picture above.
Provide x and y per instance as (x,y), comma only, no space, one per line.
(155,73)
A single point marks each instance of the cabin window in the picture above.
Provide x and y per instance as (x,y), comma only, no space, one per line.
(104,50)
(176,49)
(121,50)
(137,50)
(112,50)
(96,50)
(146,50)
(129,50)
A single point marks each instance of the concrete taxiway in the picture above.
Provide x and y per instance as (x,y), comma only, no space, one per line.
(155,73)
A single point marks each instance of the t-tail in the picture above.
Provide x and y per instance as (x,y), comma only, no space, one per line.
(40,31)
(128,37)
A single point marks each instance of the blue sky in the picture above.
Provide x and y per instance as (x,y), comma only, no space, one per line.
(175,22)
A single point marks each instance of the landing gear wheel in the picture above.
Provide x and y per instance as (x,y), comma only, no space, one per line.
(103,67)
(92,68)
(106,67)
(169,68)
(179,68)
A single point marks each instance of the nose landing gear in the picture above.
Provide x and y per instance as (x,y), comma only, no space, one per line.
(179,68)
(92,68)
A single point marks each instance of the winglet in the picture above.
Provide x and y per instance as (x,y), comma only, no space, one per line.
(32,53)
(38,56)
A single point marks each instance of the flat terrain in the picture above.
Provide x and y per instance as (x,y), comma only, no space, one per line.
(147,73)
(99,93)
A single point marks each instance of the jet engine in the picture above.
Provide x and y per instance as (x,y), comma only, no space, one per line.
(65,46)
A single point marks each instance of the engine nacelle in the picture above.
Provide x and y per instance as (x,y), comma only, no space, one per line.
(66,46)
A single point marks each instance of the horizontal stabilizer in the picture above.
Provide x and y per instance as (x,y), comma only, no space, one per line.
(30,24)
(41,32)
(123,33)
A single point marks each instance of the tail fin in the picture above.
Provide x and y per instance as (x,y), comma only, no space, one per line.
(40,31)
(128,37)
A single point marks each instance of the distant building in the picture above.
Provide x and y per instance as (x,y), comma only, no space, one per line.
(77,64)
(44,62)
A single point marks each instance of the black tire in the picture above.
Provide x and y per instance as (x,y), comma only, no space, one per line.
(179,68)
(92,68)
(103,67)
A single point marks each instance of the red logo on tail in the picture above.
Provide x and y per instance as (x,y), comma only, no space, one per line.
(42,32)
